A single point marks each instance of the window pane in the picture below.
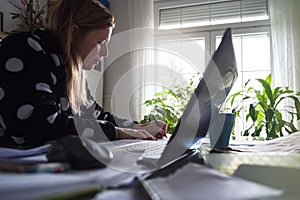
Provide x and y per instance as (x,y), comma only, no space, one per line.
(252,54)
(253,59)
(184,58)
(256,52)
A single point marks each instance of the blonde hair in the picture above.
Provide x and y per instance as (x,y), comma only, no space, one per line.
(88,15)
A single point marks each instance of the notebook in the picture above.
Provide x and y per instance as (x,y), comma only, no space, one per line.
(203,106)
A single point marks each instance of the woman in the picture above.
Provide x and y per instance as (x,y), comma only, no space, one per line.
(43,92)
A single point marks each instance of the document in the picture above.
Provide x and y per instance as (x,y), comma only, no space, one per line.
(15,186)
(13,153)
(286,144)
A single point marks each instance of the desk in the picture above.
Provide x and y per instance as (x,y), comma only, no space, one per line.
(95,179)
(277,169)
(228,163)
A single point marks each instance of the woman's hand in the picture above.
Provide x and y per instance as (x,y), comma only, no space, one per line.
(156,128)
(128,133)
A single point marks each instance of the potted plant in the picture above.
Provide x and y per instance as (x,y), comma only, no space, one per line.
(168,104)
(30,14)
(270,110)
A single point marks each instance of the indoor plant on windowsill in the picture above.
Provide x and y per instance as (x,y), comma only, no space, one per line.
(266,109)
(30,14)
(168,104)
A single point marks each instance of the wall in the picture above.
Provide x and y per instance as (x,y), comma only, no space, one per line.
(6,8)
(119,66)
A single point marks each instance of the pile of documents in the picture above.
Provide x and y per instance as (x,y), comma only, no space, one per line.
(279,152)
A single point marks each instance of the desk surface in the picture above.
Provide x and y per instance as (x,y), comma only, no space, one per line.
(115,178)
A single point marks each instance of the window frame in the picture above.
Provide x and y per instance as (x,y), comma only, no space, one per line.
(209,32)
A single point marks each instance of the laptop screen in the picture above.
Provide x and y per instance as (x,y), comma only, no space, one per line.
(206,101)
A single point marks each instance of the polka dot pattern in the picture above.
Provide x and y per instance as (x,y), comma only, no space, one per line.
(102,122)
(88,133)
(43,87)
(18,140)
(37,37)
(14,65)
(64,103)
(89,104)
(34,44)
(96,114)
(25,111)
(55,59)
(2,93)
(2,122)
(43,75)
(54,79)
(52,118)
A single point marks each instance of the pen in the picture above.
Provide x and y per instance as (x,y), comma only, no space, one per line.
(157,124)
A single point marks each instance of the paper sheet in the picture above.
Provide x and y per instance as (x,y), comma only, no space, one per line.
(12,153)
(15,186)
(289,143)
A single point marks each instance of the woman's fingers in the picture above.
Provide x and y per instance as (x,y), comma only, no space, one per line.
(124,133)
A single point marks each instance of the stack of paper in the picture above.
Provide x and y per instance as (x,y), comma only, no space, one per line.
(37,154)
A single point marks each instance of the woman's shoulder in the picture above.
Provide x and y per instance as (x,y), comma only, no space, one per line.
(48,38)
(16,36)
(45,37)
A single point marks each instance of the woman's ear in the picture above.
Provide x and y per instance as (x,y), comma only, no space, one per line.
(75,32)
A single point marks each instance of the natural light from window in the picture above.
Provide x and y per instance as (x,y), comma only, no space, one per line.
(253,59)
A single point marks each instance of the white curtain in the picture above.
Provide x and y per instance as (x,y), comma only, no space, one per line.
(284,16)
(141,34)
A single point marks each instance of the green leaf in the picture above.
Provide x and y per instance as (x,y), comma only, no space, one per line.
(267,89)
(252,112)
(297,105)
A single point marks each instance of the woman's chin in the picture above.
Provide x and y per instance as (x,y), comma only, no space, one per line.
(90,67)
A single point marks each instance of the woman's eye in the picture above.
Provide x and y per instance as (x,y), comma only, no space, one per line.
(102,42)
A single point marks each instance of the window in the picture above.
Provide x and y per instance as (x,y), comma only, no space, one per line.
(186,26)
(212,13)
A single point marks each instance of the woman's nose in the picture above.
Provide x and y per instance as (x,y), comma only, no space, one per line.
(103,50)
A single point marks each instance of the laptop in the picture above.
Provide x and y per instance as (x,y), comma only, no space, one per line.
(203,106)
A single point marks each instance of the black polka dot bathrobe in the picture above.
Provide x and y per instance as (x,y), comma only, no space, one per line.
(34,107)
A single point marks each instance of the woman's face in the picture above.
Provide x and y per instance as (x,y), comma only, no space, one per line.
(93,47)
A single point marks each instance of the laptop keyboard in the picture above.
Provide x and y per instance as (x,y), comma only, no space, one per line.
(148,148)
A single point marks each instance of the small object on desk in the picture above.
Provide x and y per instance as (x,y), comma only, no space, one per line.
(34,167)
(76,152)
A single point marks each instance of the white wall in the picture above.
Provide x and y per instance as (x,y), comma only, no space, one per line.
(6,8)
(120,66)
